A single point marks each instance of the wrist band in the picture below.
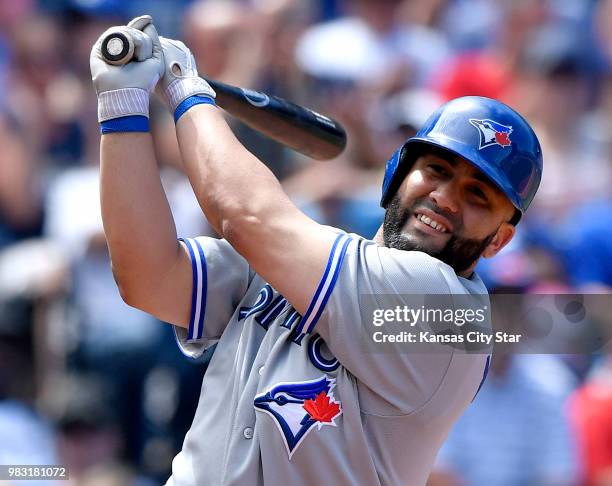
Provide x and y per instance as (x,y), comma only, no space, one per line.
(133,123)
(191,102)
(123,102)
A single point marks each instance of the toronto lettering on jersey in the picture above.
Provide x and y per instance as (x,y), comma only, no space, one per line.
(268,305)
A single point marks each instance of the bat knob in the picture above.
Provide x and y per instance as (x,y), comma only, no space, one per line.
(117,48)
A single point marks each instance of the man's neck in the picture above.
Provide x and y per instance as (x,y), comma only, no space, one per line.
(378,237)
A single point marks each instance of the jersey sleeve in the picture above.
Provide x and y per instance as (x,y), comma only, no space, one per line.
(220,279)
(400,380)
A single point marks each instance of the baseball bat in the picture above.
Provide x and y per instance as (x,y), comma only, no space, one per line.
(304,130)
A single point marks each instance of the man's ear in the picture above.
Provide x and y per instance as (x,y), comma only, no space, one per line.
(504,234)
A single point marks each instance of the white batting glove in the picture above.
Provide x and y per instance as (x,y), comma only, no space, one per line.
(123,91)
(181,85)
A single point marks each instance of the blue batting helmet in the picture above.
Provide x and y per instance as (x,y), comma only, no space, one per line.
(488,134)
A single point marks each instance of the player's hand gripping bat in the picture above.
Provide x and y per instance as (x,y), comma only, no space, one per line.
(297,127)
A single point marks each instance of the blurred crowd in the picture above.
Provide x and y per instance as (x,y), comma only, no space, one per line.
(90,383)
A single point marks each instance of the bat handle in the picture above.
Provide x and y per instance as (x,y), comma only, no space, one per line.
(117,48)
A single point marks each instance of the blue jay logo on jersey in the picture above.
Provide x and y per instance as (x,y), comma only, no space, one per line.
(492,133)
(297,407)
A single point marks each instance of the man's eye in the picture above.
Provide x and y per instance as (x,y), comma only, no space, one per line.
(478,193)
(437,168)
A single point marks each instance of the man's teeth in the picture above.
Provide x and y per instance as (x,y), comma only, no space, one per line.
(428,221)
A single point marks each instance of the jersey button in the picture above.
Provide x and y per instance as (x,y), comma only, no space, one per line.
(248,433)
(260,370)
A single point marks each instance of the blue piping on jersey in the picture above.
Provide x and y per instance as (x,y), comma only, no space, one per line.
(204,289)
(195,330)
(299,330)
(194,288)
(331,285)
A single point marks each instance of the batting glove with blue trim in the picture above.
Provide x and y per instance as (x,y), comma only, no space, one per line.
(181,85)
(123,91)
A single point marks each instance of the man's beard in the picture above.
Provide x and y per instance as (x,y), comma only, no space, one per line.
(459,253)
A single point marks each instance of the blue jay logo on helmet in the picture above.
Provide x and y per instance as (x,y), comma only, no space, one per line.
(492,133)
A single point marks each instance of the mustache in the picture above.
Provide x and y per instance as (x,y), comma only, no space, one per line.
(426,203)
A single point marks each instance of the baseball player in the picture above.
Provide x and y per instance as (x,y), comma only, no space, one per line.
(290,396)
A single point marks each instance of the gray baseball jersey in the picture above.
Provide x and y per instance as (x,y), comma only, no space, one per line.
(290,399)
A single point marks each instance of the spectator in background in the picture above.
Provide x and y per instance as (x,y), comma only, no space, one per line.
(373,40)
(586,230)
(11,14)
(251,45)
(586,245)
(25,437)
(487,65)
(516,432)
(224,40)
(591,412)
(45,96)
(568,222)
(472,25)
(20,186)
(555,85)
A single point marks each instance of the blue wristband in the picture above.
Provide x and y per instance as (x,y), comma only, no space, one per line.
(191,102)
(134,123)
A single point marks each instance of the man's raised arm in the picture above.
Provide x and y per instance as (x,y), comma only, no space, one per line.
(151,268)
(239,195)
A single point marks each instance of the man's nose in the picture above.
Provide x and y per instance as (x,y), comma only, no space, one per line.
(446,195)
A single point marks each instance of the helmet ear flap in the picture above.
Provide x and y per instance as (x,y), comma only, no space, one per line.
(396,170)
(516,217)
(392,168)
